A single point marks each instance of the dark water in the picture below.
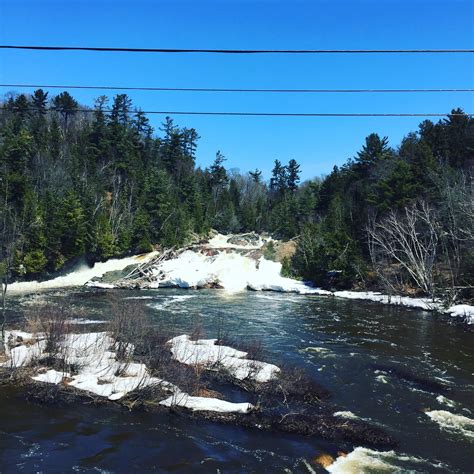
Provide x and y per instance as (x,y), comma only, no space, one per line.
(340,343)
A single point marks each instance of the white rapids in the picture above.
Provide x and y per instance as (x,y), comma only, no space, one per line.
(231,271)
(364,460)
(80,276)
(456,424)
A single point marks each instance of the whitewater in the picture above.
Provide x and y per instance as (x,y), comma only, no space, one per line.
(80,275)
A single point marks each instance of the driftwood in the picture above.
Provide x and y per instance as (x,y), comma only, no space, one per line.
(143,273)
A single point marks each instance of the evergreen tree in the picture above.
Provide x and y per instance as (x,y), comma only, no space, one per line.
(278,180)
(256,175)
(66,105)
(292,175)
(375,150)
(40,101)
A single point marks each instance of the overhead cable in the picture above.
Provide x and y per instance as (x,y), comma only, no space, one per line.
(235,51)
(214,89)
(245,114)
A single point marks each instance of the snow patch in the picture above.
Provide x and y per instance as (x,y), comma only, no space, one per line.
(51,376)
(421,303)
(462,311)
(205,404)
(100,372)
(207,353)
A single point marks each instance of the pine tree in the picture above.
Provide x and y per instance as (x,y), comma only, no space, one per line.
(66,105)
(217,171)
(278,180)
(40,101)
(375,150)
(256,175)
(292,175)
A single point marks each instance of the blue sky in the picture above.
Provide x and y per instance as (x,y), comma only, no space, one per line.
(317,143)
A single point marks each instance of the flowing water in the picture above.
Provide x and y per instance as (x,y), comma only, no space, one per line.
(344,345)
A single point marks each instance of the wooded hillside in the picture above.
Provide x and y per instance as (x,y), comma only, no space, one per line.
(103,183)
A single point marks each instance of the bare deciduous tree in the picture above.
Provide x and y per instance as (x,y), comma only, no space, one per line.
(457,215)
(409,239)
(10,239)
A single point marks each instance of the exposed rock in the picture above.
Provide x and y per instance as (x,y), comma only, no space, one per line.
(211,285)
(250,239)
(113,276)
(324,460)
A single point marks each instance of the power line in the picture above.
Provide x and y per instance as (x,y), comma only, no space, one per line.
(211,89)
(235,51)
(248,114)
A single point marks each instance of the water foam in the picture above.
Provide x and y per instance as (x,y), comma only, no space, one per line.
(457,424)
(80,276)
(231,271)
(364,460)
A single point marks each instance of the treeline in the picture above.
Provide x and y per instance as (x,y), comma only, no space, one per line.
(401,217)
(102,183)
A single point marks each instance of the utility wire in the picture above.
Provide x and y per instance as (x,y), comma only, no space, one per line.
(236,51)
(211,89)
(245,114)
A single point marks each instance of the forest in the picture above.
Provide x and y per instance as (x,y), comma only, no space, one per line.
(97,183)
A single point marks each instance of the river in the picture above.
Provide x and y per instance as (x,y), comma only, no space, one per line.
(343,344)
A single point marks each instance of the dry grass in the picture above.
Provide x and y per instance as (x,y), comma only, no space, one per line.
(285,250)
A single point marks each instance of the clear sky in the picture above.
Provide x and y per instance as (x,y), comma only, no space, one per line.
(249,142)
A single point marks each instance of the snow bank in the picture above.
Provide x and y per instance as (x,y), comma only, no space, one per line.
(369,460)
(81,275)
(457,424)
(462,311)
(100,373)
(52,376)
(207,353)
(422,303)
(97,365)
(205,404)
